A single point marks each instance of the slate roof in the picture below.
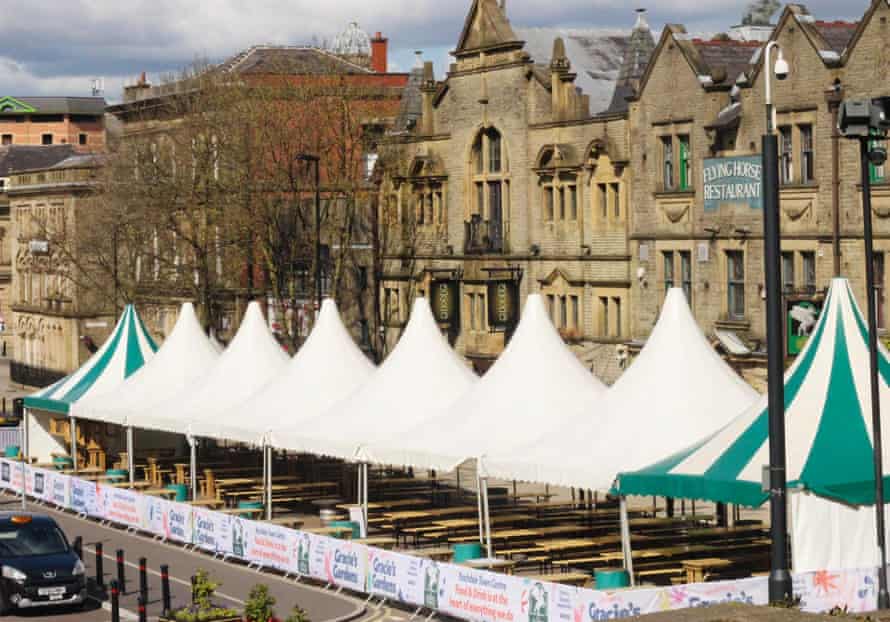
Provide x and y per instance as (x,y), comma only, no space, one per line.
(411,108)
(15,158)
(728,54)
(297,60)
(61,105)
(837,34)
(639,51)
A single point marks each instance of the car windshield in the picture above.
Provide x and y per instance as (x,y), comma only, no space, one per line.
(31,540)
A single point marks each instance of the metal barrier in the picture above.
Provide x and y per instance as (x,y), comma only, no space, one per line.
(33,376)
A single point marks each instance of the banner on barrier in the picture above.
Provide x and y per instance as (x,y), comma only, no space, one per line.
(212,531)
(394,576)
(120,505)
(340,562)
(85,498)
(268,545)
(855,590)
(60,493)
(11,475)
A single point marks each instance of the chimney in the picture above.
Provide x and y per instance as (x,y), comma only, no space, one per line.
(379,51)
(428,92)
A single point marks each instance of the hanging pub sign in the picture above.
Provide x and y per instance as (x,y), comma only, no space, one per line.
(802,316)
(733,181)
(444,298)
(503,304)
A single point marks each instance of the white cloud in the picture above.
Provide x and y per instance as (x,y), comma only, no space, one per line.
(78,39)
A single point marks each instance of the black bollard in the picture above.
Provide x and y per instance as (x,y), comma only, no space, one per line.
(115,602)
(165,589)
(143,579)
(121,576)
(100,569)
(143,614)
(78,547)
(194,583)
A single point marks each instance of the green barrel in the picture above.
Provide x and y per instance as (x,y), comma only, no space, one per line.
(250,505)
(117,474)
(466,552)
(611,579)
(62,462)
(181,490)
(12,451)
(356,528)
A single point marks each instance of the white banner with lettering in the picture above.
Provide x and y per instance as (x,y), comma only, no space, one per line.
(451,589)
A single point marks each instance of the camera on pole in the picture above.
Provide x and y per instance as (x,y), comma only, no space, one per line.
(865,118)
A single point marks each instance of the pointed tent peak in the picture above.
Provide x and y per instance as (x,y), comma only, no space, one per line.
(486,27)
(330,336)
(536,346)
(254,341)
(188,330)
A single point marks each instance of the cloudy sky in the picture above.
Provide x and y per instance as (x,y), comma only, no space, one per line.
(59,47)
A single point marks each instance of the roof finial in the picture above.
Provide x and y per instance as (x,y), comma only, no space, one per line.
(641,24)
(418,59)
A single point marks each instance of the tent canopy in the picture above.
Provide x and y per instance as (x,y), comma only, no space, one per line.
(529,390)
(676,388)
(184,356)
(827,425)
(326,370)
(421,373)
(121,356)
(251,360)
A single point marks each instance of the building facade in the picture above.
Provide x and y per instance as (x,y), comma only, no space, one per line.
(76,121)
(58,316)
(507,184)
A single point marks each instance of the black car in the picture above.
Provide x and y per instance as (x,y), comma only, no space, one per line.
(38,567)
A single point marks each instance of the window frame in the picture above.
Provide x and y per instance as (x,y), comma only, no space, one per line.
(735,285)
(786,155)
(807,153)
(667,162)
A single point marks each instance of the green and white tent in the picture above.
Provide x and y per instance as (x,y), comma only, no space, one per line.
(122,355)
(828,427)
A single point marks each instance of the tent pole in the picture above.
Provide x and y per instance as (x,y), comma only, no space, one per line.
(269,458)
(193,465)
(73,427)
(626,549)
(365,501)
(358,484)
(479,503)
(489,549)
(131,459)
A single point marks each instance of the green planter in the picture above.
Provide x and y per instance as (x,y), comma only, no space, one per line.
(356,528)
(62,462)
(12,451)
(611,579)
(250,505)
(467,552)
(182,492)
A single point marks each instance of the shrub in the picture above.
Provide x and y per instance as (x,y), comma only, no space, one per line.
(260,605)
(298,615)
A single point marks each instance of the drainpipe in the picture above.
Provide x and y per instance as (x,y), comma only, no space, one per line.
(833,97)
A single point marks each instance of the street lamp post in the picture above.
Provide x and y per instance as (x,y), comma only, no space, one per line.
(305,157)
(779,578)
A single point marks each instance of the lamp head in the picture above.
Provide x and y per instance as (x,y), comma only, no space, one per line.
(782,69)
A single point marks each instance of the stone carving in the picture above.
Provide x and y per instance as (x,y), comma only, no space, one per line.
(795,209)
(759,12)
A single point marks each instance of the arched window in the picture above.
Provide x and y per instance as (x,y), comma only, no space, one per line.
(489,190)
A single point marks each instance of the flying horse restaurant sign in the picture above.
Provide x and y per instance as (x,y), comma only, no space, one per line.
(733,181)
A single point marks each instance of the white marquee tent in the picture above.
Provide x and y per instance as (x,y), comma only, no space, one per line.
(421,374)
(327,369)
(251,360)
(677,389)
(529,390)
(184,357)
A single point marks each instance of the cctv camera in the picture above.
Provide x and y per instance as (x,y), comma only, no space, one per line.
(782,69)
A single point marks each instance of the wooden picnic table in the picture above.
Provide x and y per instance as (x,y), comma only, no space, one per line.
(436,553)
(505,535)
(206,503)
(135,485)
(697,570)
(578,579)
(383,542)
(496,565)
(294,522)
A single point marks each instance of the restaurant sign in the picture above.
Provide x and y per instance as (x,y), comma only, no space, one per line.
(503,304)
(733,181)
(444,298)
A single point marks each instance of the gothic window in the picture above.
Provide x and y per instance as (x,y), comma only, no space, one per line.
(489,192)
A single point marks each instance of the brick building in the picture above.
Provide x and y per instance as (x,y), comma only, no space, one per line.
(77,121)
(508,184)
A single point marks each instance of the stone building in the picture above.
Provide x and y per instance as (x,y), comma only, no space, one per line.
(77,121)
(57,316)
(507,184)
